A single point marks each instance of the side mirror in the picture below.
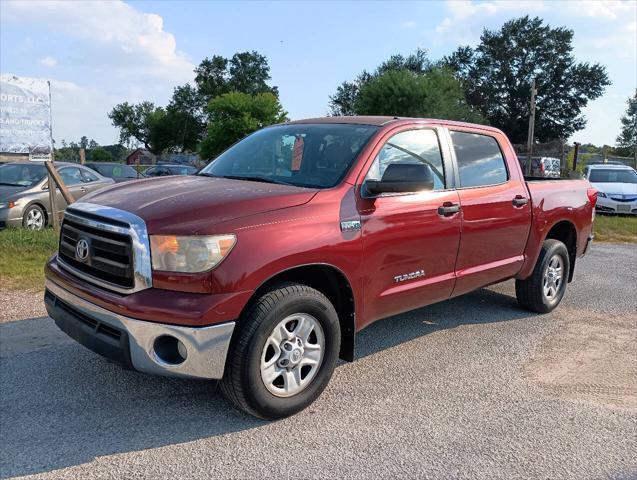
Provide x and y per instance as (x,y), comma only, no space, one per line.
(402,178)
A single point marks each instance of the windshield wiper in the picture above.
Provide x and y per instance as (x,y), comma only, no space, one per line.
(11,184)
(247,178)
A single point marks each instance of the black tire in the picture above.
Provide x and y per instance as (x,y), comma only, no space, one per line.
(242,383)
(29,213)
(530,292)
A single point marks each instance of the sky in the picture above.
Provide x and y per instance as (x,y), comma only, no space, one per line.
(99,54)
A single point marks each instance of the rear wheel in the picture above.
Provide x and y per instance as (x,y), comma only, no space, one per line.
(283,352)
(545,288)
(34,218)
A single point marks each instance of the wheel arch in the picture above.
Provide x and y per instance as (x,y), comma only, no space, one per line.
(565,232)
(39,204)
(331,282)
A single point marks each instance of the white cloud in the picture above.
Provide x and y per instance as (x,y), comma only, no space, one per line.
(48,61)
(104,53)
(407,24)
(78,111)
(608,9)
(619,41)
(462,11)
(111,33)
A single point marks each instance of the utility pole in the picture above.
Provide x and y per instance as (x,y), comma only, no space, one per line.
(575,154)
(562,157)
(529,143)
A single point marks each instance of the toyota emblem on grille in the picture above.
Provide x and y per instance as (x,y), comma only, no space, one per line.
(81,249)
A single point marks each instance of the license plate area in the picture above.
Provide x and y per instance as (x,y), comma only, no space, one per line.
(623,208)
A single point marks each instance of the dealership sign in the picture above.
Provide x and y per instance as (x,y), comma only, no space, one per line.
(25,116)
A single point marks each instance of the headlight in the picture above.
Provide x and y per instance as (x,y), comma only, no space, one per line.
(189,254)
(7,204)
(601,194)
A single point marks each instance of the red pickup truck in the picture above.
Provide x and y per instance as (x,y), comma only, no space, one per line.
(260,269)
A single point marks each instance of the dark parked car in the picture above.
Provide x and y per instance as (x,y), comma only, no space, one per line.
(164,170)
(117,171)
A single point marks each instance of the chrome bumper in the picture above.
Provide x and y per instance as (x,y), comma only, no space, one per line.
(204,348)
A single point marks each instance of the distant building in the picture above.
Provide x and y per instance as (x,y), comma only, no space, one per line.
(141,156)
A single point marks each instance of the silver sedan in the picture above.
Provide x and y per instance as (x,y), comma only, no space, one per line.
(24,191)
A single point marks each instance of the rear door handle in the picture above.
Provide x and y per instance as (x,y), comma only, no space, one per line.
(520,201)
(447,209)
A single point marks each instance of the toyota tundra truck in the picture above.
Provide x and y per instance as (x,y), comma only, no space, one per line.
(260,269)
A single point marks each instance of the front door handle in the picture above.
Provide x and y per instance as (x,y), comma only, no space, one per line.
(448,209)
(520,201)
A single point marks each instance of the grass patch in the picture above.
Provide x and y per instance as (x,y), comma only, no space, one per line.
(23,254)
(615,229)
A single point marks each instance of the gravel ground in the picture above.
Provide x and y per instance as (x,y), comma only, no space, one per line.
(21,304)
(469,388)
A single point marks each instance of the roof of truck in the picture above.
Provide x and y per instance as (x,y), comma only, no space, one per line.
(362,120)
(385,120)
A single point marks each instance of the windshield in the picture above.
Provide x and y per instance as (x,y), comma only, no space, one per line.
(125,171)
(613,176)
(304,155)
(21,174)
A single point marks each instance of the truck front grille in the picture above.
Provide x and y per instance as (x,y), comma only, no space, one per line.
(106,246)
(109,257)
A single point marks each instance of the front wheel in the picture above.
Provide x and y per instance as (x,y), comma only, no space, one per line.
(283,352)
(34,218)
(545,288)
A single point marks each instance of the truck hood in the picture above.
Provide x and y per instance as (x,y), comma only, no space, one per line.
(616,188)
(185,205)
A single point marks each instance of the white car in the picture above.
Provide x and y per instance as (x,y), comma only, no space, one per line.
(616,187)
(550,167)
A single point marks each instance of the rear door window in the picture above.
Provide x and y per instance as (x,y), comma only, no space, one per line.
(480,161)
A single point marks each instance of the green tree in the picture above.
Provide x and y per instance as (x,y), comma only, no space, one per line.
(246,72)
(100,154)
(497,77)
(343,102)
(185,120)
(235,115)
(627,138)
(435,94)
(118,152)
(182,124)
(136,121)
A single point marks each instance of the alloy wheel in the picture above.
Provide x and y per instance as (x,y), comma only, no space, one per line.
(292,355)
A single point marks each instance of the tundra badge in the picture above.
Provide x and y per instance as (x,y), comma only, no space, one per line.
(350,225)
(409,276)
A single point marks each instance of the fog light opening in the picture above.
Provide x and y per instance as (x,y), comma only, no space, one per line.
(170,350)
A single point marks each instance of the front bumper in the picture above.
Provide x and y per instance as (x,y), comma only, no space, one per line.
(141,345)
(11,217)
